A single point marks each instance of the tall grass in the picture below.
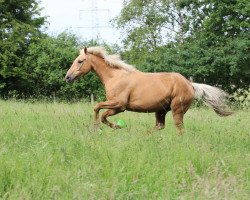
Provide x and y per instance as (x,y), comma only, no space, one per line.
(51,151)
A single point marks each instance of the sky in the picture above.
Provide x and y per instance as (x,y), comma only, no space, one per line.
(80,16)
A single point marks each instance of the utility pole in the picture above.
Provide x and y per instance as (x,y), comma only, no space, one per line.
(99,19)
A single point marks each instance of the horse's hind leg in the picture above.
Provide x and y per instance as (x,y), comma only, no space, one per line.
(179,108)
(178,120)
(108,113)
(160,119)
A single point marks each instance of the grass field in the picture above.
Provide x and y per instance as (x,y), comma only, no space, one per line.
(47,153)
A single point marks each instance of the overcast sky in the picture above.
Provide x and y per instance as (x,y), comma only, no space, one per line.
(78,16)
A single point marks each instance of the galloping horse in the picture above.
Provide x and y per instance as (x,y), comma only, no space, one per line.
(130,89)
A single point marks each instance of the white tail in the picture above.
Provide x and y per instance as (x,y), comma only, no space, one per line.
(213,96)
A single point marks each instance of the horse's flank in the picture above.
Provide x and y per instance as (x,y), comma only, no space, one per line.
(112,60)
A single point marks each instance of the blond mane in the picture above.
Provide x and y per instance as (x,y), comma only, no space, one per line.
(112,60)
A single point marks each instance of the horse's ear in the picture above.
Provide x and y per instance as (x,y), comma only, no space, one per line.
(85,50)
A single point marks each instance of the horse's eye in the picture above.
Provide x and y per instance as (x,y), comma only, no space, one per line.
(80,61)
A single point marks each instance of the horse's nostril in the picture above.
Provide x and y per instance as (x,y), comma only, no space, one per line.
(67,78)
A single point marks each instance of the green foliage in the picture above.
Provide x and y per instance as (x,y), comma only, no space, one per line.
(33,64)
(47,153)
(226,18)
(43,69)
(242,98)
(148,24)
(20,23)
(209,42)
(225,64)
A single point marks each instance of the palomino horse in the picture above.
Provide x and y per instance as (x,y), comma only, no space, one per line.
(130,89)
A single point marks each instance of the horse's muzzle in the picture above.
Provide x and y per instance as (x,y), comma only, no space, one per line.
(68,79)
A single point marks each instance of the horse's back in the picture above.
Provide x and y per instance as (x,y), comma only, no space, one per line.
(170,81)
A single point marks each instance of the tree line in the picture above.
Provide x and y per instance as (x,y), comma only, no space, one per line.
(206,41)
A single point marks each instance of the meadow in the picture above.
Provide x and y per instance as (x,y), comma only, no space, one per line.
(51,151)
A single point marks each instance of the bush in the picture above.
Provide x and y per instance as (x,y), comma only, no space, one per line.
(41,75)
(242,98)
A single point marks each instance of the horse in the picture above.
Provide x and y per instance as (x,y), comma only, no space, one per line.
(129,89)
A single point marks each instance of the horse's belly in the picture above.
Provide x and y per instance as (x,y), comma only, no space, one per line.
(152,104)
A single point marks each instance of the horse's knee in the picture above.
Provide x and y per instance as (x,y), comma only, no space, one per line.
(96,108)
(103,119)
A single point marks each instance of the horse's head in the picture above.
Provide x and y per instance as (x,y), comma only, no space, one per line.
(80,66)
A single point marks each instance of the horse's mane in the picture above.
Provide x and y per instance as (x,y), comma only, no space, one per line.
(112,60)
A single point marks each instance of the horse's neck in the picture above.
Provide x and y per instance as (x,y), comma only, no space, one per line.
(103,71)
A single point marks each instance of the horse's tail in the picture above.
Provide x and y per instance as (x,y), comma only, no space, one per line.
(213,96)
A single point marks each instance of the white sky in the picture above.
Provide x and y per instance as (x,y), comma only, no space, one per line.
(73,14)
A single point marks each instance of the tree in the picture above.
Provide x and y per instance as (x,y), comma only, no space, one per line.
(20,24)
(223,38)
(208,40)
(46,64)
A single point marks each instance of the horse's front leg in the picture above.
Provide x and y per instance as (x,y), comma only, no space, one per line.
(112,104)
(96,117)
(107,114)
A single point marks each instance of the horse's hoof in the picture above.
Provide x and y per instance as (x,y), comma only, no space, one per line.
(115,126)
(180,133)
(96,126)
(157,128)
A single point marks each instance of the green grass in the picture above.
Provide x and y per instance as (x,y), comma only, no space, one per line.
(47,153)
